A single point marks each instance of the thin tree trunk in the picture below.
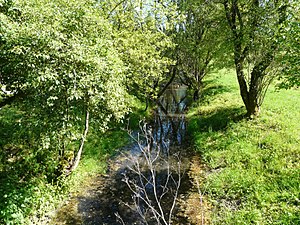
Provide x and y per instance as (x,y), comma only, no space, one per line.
(78,156)
(241,79)
(147,104)
(169,82)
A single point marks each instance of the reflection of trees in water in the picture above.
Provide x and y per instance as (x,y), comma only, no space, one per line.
(156,176)
(169,120)
(112,196)
(154,179)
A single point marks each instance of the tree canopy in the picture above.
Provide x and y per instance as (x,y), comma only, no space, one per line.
(199,42)
(63,60)
(289,45)
(68,65)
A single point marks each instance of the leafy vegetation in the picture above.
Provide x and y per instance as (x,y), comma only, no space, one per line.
(72,72)
(198,40)
(252,165)
(289,40)
(29,184)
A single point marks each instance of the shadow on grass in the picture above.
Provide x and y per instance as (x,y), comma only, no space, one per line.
(213,91)
(217,120)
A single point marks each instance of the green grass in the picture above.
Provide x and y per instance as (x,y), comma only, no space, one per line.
(27,197)
(31,200)
(98,149)
(253,166)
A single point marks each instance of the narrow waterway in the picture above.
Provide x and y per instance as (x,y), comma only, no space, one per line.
(144,180)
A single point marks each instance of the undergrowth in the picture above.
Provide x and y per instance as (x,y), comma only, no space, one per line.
(253,166)
(34,199)
(30,191)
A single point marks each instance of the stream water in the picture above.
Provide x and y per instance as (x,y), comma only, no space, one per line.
(109,201)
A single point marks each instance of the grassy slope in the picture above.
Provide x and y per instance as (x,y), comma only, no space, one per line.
(253,165)
(33,201)
(98,149)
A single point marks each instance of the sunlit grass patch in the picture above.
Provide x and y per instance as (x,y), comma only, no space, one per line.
(98,149)
(254,166)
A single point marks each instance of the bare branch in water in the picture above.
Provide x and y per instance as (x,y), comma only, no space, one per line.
(147,191)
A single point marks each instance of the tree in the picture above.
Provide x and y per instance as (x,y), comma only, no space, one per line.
(290,48)
(66,66)
(198,41)
(70,63)
(142,42)
(254,26)
(59,57)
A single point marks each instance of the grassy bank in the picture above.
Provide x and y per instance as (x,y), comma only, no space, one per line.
(27,194)
(253,166)
(100,147)
(35,199)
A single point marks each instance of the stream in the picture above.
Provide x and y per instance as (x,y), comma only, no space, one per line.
(162,142)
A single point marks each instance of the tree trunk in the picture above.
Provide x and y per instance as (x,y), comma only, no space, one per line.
(253,109)
(196,95)
(257,86)
(252,91)
(78,156)
(249,96)
(173,74)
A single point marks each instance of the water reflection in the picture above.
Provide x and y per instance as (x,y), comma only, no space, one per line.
(169,122)
(110,195)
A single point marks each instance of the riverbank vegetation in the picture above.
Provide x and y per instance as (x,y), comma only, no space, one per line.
(70,71)
(252,166)
(73,72)
(31,189)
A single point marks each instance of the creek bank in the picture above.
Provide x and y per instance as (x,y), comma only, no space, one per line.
(253,165)
(108,195)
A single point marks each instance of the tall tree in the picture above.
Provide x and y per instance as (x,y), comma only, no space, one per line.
(140,28)
(198,40)
(254,26)
(68,63)
(59,57)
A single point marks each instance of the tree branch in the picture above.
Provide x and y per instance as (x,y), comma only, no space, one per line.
(169,82)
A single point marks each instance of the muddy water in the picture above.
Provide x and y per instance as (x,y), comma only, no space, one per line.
(110,196)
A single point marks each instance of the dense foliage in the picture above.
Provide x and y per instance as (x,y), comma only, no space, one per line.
(199,42)
(64,64)
(69,66)
(290,47)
